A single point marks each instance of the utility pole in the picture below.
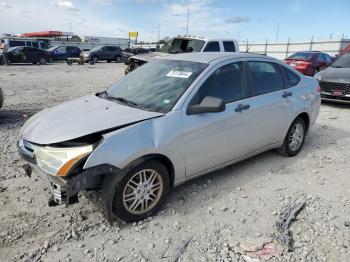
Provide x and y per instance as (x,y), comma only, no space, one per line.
(70,27)
(188,17)
(158,33)
(278,30)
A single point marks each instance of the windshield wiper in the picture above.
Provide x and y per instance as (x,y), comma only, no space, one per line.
(123,100)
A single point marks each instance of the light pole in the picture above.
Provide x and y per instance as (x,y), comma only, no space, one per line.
(278,30)
(188,17)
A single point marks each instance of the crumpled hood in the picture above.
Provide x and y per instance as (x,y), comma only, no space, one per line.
(80,117)
(149,56)
(333,74)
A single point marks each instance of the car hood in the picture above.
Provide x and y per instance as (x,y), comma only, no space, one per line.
(333,74)
(149,56)
(78,118)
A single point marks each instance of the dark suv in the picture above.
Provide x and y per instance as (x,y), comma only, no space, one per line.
(104,53)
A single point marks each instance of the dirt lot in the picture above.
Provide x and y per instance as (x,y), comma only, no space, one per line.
(225,216)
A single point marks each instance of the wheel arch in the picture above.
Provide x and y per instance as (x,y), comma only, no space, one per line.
(159,157)
(305,116)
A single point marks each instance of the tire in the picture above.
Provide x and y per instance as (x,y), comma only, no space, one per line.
(118,59)
(94,59)
(127,200)
(290,148)
(1,98)
(42,61)
(108,61)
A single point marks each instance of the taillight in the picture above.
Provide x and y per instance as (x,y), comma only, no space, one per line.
(303,63)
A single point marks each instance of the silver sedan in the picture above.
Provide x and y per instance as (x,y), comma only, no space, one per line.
(169,121)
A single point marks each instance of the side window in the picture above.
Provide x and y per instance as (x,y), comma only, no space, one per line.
(226,83)
(61,49)
(266,77)
(292,78)
(14,43)
(28,43)
(70,48)
(212,47)
(35,44)
(229,46)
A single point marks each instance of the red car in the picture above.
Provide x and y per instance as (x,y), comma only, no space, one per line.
(309,62)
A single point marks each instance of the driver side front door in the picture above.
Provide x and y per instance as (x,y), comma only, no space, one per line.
(215,139)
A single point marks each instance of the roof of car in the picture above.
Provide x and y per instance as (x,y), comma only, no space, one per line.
(208,57)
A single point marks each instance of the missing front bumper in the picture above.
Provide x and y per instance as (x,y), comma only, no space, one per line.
(65,190)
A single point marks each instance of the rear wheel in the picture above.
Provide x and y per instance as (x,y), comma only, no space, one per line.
(140,193)
(42,60)
(294,139)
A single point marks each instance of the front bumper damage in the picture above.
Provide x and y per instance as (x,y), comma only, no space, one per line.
(64,190)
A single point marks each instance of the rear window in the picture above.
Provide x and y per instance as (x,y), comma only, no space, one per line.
(212,47)
(229,46)
(302,55)
(292,78)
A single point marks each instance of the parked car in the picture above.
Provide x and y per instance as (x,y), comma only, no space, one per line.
(173,119)
(28,55)
(29,42)
(185,44)
(335,80)
(1,98)
(309,62)
(103,53)
(129,52)
(64,52)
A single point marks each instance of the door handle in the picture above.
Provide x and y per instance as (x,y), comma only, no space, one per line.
(286,94)
(241,107)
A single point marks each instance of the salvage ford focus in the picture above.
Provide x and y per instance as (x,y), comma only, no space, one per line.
(171,120)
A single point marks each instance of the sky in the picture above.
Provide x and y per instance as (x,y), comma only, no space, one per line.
(255,20)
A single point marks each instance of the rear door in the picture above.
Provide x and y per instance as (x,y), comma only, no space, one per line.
(270,103)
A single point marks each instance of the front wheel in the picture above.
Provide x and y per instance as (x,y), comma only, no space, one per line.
(294,139)
(118,59)
(42,61)
(94,60)
(140,193)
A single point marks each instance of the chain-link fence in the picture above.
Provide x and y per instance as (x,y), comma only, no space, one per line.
(283,50)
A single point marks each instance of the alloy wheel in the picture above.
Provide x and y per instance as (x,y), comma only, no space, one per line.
(296,137)
(143,191)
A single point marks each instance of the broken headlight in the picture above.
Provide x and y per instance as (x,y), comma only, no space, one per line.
(59,161)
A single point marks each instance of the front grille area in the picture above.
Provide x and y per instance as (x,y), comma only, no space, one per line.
(329,87)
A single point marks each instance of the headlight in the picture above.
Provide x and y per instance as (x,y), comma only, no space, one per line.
(85,54)
(318,76)
(58,161)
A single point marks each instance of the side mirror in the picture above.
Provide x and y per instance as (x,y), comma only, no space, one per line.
(209,104)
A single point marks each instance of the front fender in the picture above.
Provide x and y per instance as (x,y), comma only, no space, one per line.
(156,136)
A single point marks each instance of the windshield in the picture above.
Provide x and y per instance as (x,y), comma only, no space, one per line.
(95,49)
(342,62)
(156,86)
(178,45)
(302,55)
(52,48)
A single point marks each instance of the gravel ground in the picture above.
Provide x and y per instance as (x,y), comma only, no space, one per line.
(229,215)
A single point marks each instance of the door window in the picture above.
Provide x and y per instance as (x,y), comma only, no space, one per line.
(212,47)
(226,83)
(265,77)
(229,46)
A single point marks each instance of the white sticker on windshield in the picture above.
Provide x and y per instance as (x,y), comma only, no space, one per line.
(180,74)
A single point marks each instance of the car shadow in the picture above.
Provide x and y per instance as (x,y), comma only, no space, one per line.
(10,117)
(334,104)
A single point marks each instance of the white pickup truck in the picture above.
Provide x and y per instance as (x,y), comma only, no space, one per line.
(183,44)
